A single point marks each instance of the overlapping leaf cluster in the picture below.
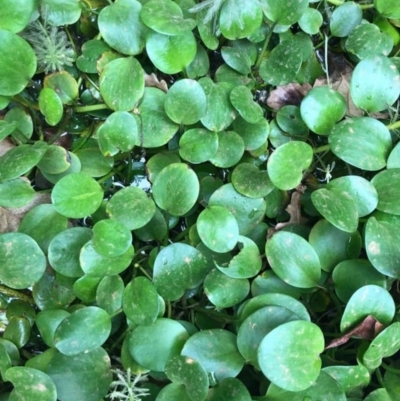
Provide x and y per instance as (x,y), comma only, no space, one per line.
(201,198)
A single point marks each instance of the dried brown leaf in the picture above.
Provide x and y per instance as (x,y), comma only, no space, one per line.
(292,94)
(368,329)
(5,146)
(152,81)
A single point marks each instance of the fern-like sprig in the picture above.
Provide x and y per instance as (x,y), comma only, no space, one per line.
(126,386)
(51,46)
(213,7)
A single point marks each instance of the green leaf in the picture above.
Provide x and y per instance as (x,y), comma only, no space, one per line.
(56,160)
(182,93)
(17,63)
(282,64)
(200,65)
(152,346)
(93,49)
(249,181)
(322,108)
(286,13)
(382,233)
(83,331)
(177,268)
(43,223)
(229,389)
(189,372)
(155,229)
(166,17)
(350,275)
(16,193)
(216,351)
(287,163)
(246,264)
(268,282)
(18,331)
(286,350)
(363,142)
(325,387)
(345,18)
(64,248)
(289,120)
(380,305)
(219,111)
(256,326)
(121,27)
(198,145)
(109,293)
(230,149)
(85,288)
(62,12)
(311,21)
(350,378)
(293,259)
(47,322)
(218,229)
(171,54)
(100,265)
(16,15)
(224,291)
(23,262)
(118,133)
(93,162)
(64,84)
(366,40)
(333,245)
(338,207)
(30,384)
(237,59)
(388,193)
(383,87)
(176,189)
(111,238)
(122,83)
(77,195)
(247,211)
(82,377)
(385,344)
(388,8)
(75,166)
(239,19)
(242,99)
(253,135)
(20,159)
(140,301)
(393,160)
(24,124)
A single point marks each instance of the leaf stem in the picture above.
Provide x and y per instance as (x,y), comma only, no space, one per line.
(322,148)
(393,126)
(92,107)
(16,294)
(224,317)
(264,49)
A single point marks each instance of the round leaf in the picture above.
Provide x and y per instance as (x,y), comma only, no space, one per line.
(182,93)
(111,238)
(224,291)
(83,331)
(165,16)
(345,18)
(23,262)
(16,193)
(198,145)
(152,346)
(100,265)
(171,54)
(229,389)
(286,351)
(16,15)
(178,267)
(63,252)
(218,229)
(383,86)
(380,305)
(230,149)
(62,12)
(64,84)
(187,371)
(82,377)
(286,13)
(253,135)
(140,301)
(15,52)
(30,384)
(47,322)
(50,106)
(132,207)
(56,160)
(293,259)
(388,193)
(216,351)
(121,27)
(311,21)
(242,99)
(118,133)
(176,189)
(77,195)
(122,83)
(287,163)
(109,293)
(388,8)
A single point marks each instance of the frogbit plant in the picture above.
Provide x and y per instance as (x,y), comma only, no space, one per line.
(199,200)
